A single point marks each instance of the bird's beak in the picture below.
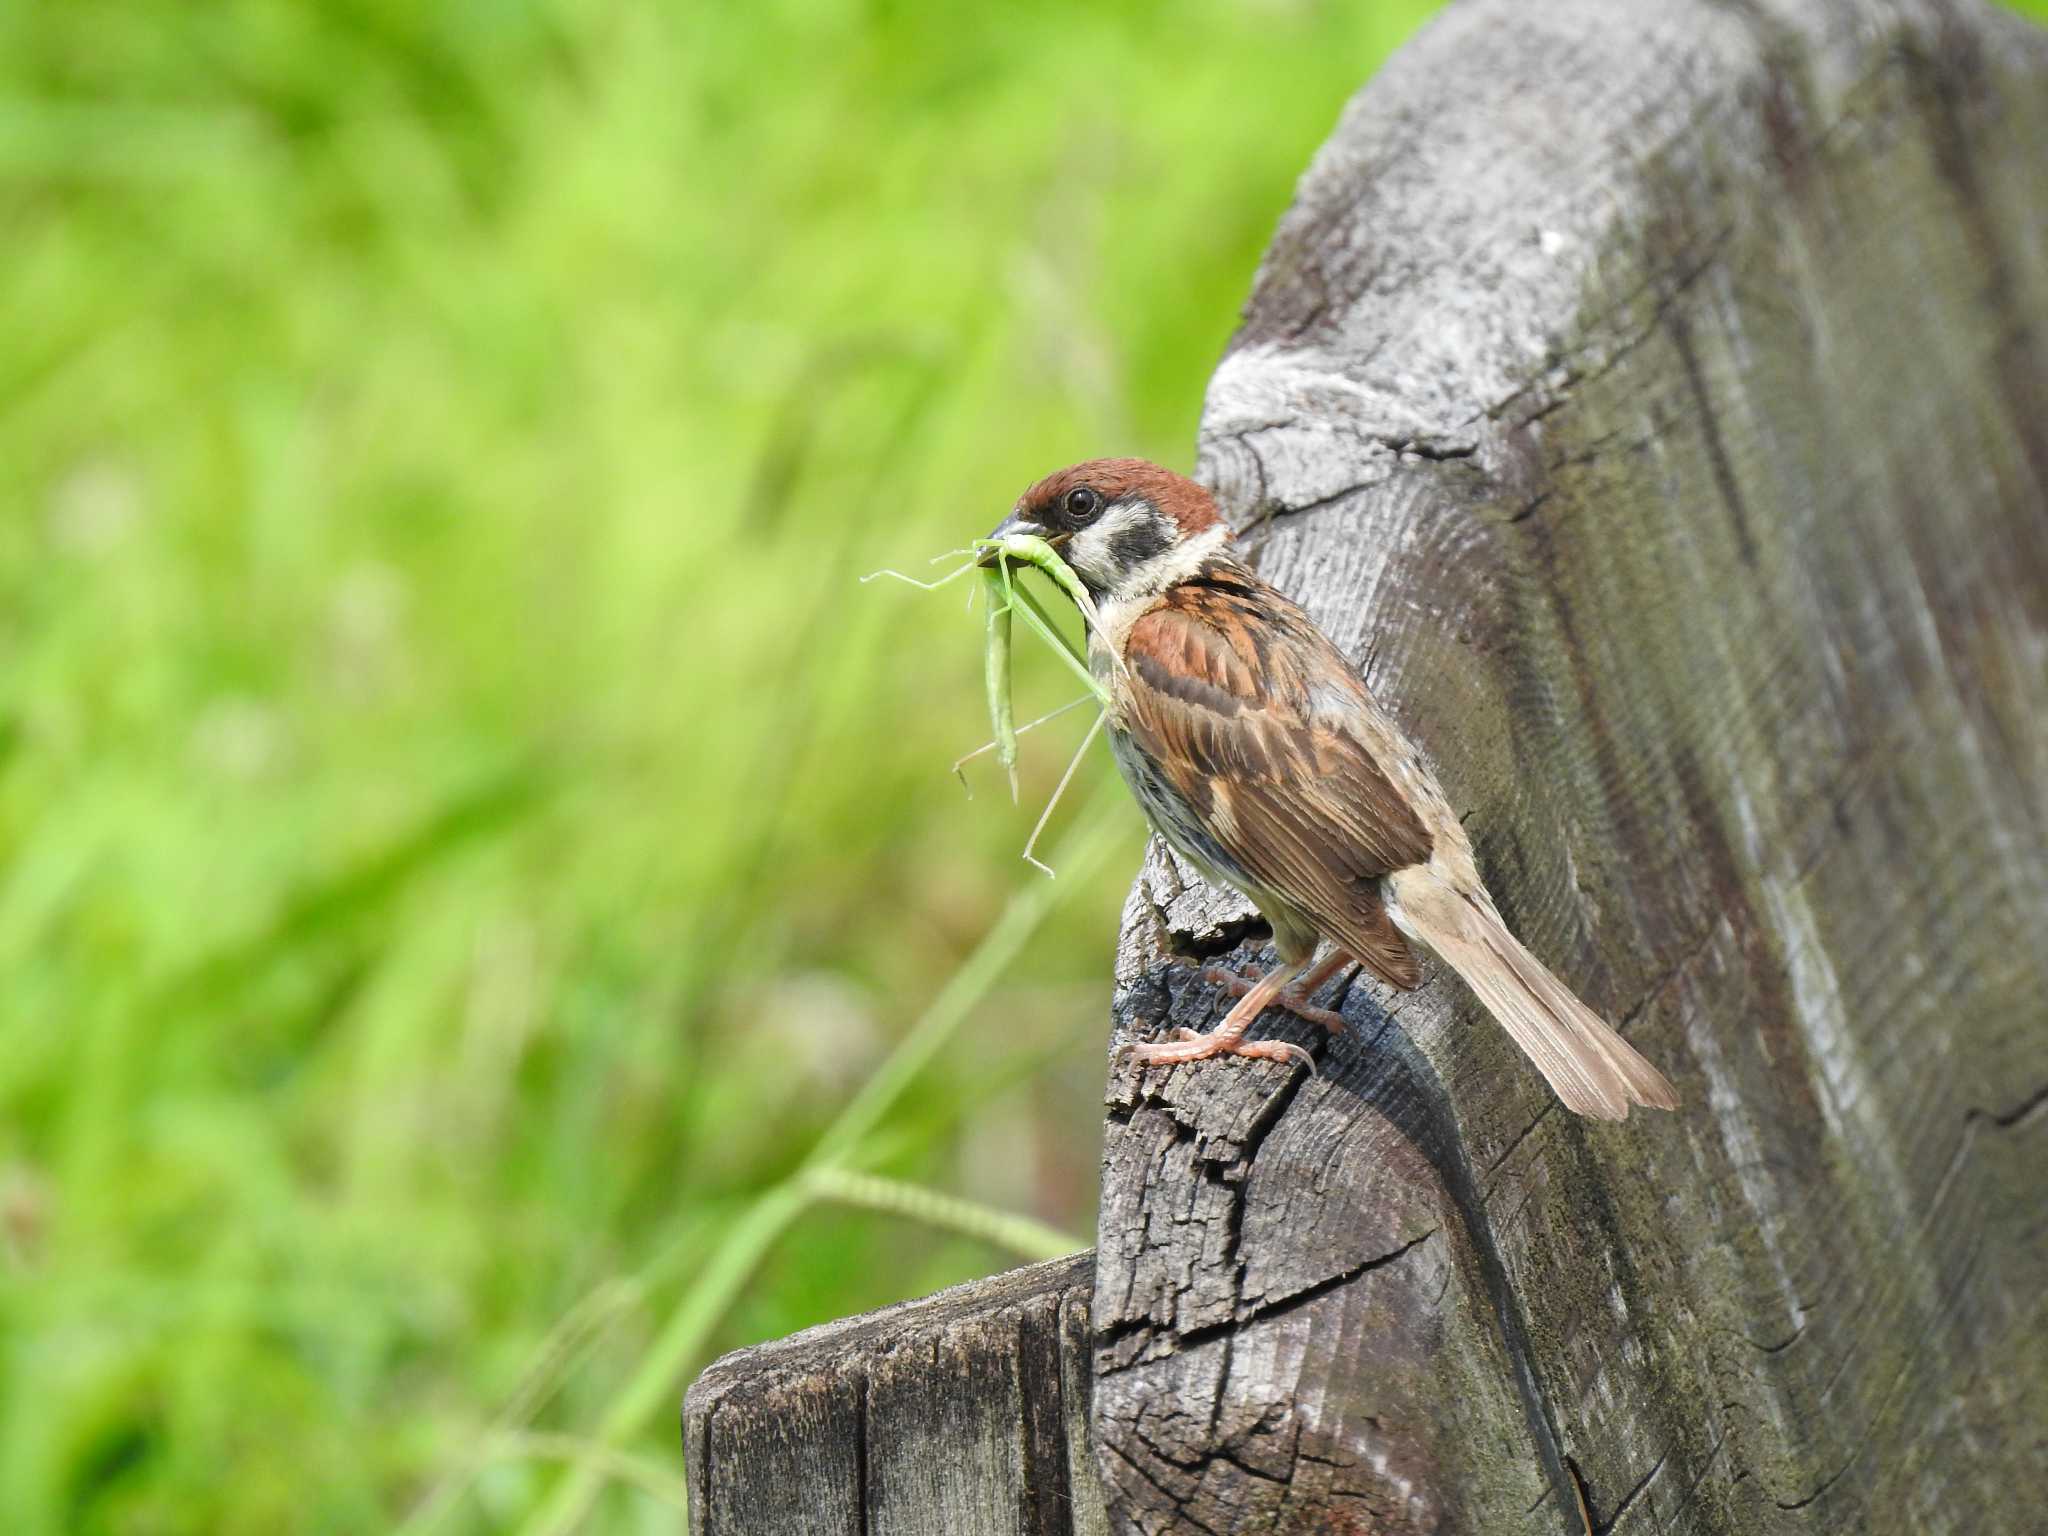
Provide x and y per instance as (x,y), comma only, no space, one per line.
(1017,524)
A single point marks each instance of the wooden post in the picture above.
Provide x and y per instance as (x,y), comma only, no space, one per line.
(1653,399)
(965,1414)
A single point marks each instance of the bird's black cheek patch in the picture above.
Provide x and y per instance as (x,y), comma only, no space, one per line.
(1132,546)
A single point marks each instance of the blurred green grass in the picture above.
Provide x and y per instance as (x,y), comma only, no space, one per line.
(463,831)
(464,835)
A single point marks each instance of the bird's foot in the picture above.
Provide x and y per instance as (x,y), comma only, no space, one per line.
(1227,1038)
(1294,999)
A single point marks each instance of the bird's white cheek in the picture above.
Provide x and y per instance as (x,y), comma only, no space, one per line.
(1088,553)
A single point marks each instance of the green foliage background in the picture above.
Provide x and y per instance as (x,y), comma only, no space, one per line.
(465,837)
(464,833)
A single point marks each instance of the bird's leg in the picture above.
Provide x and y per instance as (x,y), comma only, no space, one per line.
(1228,1037)
(1296,998)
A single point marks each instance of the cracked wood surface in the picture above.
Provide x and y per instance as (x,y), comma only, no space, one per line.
(964,1414)
(1654,401)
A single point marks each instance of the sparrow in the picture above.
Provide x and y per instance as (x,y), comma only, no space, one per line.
(1259,755)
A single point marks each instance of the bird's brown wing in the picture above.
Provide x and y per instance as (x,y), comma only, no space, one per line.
(1242,703)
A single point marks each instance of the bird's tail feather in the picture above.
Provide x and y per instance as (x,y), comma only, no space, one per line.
(1590,1067)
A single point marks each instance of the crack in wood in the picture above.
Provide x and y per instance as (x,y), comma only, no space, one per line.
(1563,377)
(1602,1527)
(862,1480)
(1520,1136)
(2029,1108)
(1173,1500)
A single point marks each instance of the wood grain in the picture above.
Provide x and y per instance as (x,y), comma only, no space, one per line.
(1654,401)
(964,1414)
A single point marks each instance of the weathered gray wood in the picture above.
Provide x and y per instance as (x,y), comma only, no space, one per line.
(964,1414)
(1654,399)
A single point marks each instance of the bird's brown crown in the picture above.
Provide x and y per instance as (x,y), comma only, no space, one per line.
(1192,509)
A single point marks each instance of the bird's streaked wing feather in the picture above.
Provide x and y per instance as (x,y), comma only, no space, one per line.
(1230,712)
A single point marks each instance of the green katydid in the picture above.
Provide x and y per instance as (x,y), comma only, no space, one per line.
(1001,602)
(1006,597)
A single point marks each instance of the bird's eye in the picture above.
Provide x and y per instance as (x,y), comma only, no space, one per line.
(1082,503)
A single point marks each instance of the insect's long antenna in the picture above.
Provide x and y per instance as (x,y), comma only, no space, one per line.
(990,746)
(1058,790)
(929,586)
